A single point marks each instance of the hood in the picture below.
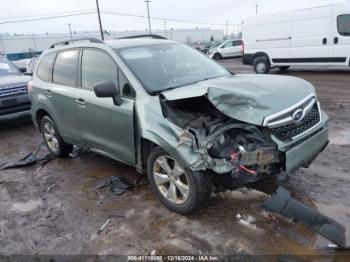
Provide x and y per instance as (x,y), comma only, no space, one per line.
(14,79)
(248,98)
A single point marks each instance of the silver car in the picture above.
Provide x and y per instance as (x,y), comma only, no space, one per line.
(230,48)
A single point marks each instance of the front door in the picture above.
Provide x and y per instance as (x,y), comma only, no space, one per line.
(341,39)
(104,127)
(226,50)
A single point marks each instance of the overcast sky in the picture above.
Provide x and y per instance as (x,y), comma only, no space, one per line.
(213,12)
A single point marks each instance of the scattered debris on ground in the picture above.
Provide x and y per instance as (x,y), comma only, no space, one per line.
(103,227)
(117,185)
(29,159)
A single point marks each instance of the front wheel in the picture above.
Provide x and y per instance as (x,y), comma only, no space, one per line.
(180,190)
(261,65)
(217,56)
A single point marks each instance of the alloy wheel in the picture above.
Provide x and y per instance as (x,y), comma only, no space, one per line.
(171,179)
(51,137)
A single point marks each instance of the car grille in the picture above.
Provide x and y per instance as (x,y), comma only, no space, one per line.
(12,90)
(289,131)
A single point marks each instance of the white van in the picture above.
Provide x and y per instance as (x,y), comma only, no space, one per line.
(313,36)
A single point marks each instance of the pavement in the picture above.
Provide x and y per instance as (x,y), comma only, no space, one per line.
(56,208)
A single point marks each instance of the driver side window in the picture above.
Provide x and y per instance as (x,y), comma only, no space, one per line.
(97,67)
(228,44)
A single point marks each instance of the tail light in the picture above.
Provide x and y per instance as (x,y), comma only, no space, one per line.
(29,87)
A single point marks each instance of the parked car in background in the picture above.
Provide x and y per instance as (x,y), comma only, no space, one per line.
(230,48)
(170,111)
(314,36)
(14,98)
(28,64)
(210,46)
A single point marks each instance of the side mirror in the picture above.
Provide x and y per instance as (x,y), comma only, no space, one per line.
(108,89)
(22,69)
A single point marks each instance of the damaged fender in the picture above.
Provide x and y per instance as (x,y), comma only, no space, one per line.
(282,203)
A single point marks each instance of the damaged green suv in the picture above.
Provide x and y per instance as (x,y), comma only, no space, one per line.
(170,111)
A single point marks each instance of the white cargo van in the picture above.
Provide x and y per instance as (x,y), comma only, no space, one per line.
(313,36)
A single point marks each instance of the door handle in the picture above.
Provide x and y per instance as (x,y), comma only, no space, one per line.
(324,40)
(336,40)
(80,101)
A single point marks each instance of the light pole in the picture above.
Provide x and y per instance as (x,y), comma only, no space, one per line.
(165,29)
(256,9)
(99,20)
(70,31)
(149,19)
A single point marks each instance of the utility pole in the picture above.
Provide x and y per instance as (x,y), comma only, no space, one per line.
(256,9)
(165,29)
(70,31)
(149,19)
(226,28)
(99,20)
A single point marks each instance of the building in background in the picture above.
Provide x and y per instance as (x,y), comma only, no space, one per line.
(25,46)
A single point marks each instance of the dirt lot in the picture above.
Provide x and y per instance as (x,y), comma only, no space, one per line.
(55,209)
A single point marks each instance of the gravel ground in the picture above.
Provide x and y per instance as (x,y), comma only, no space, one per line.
(55,209)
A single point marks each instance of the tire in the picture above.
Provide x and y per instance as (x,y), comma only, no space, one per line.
(261,65)
(217,56)
(53,139)
(283,68)
(199,184)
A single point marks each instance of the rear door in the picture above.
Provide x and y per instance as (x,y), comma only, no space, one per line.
(341,38)
(105,127)
(61,94)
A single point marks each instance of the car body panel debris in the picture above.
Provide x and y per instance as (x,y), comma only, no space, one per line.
(117,185)
(29,159)
(282,203)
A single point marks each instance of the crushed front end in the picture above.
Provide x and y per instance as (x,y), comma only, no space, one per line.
(238,153)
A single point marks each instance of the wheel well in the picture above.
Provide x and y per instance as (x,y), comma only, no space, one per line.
(146,148)
(39,115)
(262,54)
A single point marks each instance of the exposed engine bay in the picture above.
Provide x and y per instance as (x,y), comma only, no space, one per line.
(236,152)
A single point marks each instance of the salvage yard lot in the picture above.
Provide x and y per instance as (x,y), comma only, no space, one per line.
(56,208)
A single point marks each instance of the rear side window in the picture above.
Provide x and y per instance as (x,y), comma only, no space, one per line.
(343,23)
(65,68)
(97,67)
(44,70)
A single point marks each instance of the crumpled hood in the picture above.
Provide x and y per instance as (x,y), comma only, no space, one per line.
(248,98)
(14,79)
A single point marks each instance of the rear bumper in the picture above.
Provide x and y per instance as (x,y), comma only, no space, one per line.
(14,107)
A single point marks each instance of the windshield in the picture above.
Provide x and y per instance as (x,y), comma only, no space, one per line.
(214,46)
(7,68)
(167,66)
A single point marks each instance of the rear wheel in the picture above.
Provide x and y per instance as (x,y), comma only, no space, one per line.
(283,68)
(180,190)
(261,65)
(53,139)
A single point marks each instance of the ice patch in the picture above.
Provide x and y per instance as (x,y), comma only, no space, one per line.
(26,206)
(340,135)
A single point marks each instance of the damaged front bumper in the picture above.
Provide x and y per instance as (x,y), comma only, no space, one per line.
(282,203)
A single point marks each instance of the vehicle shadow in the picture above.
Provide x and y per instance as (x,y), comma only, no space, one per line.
(16,124)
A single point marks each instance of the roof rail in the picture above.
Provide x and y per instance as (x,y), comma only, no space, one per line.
(66,42)
(142,36)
